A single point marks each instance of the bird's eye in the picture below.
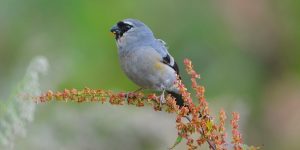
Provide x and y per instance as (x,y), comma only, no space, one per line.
(124,26)
(128,26)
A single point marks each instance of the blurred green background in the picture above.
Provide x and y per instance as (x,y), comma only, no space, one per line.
(247,52)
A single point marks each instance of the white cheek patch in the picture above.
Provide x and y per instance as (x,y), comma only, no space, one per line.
(120,40)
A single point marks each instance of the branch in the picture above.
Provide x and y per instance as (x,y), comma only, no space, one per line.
(198,114)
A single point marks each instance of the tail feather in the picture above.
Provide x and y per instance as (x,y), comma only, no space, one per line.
(178,98)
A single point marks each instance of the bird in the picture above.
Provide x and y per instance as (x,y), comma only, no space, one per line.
(145,59)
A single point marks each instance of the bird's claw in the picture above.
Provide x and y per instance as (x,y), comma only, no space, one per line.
(162,99)
(128,94)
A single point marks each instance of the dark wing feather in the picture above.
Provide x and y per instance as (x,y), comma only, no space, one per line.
(167,61)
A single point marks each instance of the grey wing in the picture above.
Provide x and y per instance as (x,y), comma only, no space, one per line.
(161,48)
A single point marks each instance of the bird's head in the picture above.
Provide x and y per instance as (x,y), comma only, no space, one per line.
(130,29)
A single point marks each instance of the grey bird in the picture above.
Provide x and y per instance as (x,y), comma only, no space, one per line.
(146,60)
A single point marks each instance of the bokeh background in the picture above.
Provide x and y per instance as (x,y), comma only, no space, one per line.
(247,52)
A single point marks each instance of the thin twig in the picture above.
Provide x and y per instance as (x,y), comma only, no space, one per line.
(209,142)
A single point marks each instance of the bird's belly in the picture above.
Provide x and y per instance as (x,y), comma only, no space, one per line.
(148,72)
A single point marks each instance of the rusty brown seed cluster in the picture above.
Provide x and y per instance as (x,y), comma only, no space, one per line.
(200,122)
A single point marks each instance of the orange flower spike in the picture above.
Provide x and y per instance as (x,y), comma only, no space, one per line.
(81,99)
(184,134)
(236,135)
(190,141)
(140,103)
(122,95)
(222,118)
(178,119)
(199,123)
(103,100)
(184,111)
(220,139)
(49,95)
(171,104)
(66,94)
(94,99)
(58,96)
(181,126)
(42,99)
(189,69)
(152,96)
(201,141)
(112,99)
(99,91)
(74,92)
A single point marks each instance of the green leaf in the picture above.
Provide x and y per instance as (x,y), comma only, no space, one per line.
(209,125)
(178,140)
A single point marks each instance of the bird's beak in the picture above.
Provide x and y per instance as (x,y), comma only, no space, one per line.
(115,30)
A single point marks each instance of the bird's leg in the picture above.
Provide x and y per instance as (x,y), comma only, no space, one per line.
(127,94)
(162,98)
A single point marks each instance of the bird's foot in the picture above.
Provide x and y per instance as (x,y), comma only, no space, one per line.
(162,99)
(129,93)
